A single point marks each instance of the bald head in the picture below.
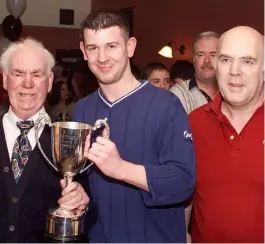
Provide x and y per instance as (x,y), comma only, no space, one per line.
(240,37)
(240,66)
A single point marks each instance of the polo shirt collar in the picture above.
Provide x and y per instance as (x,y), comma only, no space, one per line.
(216,104)
(193,83)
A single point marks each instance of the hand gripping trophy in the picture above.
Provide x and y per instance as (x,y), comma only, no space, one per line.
(67,143)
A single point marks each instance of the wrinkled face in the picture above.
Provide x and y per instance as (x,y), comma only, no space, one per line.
(239,69)
(107,52)
(27,81)
(64,92)
(204,55)
(160,78)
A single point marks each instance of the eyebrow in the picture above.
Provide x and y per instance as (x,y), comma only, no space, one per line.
(249,57)
(199,52)
(94,45)
(243,57)
(24,71)
(225,56)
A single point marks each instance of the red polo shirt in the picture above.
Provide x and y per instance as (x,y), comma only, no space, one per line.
(229,197)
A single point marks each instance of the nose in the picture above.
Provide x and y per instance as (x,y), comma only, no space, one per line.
(28,82)
(102,55)
(207,59)
(162,85)
(235,68)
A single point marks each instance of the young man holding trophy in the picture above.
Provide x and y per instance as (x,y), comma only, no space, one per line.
(145,170)
(28,185)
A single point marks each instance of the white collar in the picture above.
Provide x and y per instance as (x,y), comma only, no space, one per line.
(12,118)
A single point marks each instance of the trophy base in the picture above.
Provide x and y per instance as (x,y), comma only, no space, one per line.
(78,239)
(64,229)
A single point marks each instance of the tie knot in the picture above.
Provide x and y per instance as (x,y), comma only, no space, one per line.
(25,126)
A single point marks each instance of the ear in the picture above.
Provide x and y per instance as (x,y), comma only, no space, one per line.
(131,45)
(4,79)
(50,81)
(82,47)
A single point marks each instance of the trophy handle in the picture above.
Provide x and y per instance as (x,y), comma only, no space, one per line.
(42,120)
(98,125)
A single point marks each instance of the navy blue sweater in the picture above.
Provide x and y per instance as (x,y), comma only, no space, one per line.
(148,127)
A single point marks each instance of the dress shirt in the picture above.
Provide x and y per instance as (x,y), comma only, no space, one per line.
(12,131)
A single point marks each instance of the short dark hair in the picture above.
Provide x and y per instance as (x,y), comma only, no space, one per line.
(149,68)
(182,69)
(104,19)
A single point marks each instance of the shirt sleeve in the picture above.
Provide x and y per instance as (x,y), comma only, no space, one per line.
(172,181)
(181,93)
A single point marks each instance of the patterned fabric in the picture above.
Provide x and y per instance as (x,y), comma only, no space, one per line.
(22,149)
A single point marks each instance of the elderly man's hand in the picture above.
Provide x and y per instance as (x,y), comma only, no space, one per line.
(73,197)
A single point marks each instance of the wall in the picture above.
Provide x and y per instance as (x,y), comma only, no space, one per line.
(41,20)
(158,22)
(46,12)
(54,38)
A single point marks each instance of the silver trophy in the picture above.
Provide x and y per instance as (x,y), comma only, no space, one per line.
(67,144)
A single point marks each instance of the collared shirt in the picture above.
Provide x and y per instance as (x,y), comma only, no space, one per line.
(12,131)
(228,202)
(190,95)
(193,83)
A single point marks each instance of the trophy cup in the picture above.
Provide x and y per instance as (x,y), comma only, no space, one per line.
(67,144)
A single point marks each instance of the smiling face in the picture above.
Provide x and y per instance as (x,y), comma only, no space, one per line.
(240,67)
(27,81)
(107,52)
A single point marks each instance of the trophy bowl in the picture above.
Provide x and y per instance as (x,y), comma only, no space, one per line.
(68,143)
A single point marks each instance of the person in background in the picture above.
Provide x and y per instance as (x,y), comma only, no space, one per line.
(61,106)
(180,71)
(59,73)
(28,185)
(157,74)
(145,170)
(228,134)
(201,88)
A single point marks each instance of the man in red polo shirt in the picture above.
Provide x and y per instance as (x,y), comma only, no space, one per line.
(228,134)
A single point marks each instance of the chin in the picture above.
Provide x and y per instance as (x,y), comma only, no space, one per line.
(107,81)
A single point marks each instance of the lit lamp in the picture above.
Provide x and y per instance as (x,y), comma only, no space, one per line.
(167,51)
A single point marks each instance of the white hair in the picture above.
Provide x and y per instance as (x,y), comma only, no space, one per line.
(205,34)
(29,43)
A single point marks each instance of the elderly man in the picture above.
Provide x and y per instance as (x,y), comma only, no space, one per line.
(201,88)
(28,186)
(229,147)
